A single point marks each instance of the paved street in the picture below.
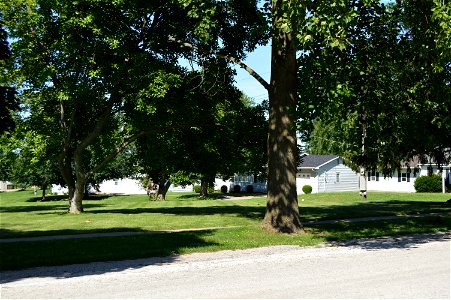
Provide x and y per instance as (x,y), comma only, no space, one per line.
(408,267)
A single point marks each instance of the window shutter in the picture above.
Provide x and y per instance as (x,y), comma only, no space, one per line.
(399,176)
(377,176)
(408,177)
(369,176)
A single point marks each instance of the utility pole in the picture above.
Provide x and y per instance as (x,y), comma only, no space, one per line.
(362,178)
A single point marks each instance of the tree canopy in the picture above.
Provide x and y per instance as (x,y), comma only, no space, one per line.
(96,76)
(391,86)
(8,100)
(86,67)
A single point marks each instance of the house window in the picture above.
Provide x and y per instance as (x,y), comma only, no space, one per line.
(337,177)
(373,176)
(403,177)
(10,187)
(116,182)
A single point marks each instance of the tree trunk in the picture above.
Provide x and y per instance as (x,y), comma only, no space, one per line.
(65,168)
(44,187)
(282,210)
(76,201)
(71,192)
(163,188)
(203,188)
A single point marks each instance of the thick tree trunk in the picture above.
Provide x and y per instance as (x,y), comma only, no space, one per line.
(163,188)
(203,188)
(76,201)
(71,192)
(282,210)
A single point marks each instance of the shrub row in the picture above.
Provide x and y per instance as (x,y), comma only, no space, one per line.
(197,189)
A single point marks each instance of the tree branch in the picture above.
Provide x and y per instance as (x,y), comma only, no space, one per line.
(100,125)
(228,57)
(115,152)
(132,139)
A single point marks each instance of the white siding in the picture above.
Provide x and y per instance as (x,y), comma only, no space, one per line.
(300,182)
(181,189)
(336,177)
(122,186)
(6,185)
(325,178)
(392,184)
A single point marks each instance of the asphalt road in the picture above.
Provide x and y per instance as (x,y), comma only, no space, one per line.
(408,267)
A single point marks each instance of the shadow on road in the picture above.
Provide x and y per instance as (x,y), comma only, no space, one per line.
(79,270)
(403,242)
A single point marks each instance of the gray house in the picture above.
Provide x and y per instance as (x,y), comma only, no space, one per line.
(326,173)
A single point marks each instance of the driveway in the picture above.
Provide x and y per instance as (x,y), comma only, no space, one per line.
(416,266)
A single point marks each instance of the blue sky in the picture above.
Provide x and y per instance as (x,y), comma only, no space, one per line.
(260,61)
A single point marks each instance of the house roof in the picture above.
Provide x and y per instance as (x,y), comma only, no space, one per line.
(315,161)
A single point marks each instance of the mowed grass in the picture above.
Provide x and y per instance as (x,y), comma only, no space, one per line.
(22,215)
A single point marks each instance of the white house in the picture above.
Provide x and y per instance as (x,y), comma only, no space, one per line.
(243,181)
(403,180)
(6,186)
(326,173)
(133,187)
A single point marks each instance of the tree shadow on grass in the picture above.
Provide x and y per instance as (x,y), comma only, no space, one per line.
(93,197)
(371,209)
(44,208)
(135,251)
(375,235)
(7,234)
(251,212)
(216,196)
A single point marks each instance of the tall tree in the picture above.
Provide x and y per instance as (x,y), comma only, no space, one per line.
(365,96)
(8,100)
(215,132)
(287,23)
(282,210)
(80,62)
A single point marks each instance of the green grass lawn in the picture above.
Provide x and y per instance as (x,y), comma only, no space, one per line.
(22,215)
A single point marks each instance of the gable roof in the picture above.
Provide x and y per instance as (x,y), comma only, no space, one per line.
(316,161)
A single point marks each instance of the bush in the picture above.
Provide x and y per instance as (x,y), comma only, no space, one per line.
(236,188)
(307,189)
(197,189)
(249,189)
(224,189)
(428,184)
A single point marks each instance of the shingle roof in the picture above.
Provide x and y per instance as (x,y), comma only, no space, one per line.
(314,161)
